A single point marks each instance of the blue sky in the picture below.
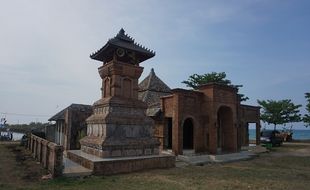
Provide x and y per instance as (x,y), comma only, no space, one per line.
(45,47)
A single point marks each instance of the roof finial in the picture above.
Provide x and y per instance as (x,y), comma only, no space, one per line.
(121,32)
(152,73)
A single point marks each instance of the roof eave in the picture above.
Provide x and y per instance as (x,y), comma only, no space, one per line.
(101,53)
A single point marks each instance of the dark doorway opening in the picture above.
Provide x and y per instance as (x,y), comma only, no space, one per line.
(188,134)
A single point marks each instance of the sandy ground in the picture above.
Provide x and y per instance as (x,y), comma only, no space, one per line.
(293,149)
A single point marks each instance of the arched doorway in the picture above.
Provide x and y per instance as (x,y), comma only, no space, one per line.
(188,134)
(225,129)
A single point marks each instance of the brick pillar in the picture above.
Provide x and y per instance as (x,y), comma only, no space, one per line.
(34,148)
(176,148)
(55,159)
(30,143)
(177,142)
(58,161)
(39,149)
(44,154)
(213,136)
(235,134)
(246,134)
(258,133)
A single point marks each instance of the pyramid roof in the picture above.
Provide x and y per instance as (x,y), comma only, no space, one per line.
(150,91)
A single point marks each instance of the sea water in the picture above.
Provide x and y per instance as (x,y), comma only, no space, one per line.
(297,134)
(16,136)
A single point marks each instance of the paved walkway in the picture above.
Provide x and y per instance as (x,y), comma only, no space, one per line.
(72,169)
(200,159)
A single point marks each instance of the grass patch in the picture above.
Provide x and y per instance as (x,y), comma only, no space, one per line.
(265,172)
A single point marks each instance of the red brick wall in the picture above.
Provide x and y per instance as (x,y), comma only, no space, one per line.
(202,107)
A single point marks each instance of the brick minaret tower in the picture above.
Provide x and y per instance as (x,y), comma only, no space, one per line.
(119,126)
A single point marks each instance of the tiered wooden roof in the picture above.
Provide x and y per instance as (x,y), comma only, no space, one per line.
(122,40)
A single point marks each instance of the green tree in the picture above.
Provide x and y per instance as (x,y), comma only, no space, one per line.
(306,118)
(279,112)
(25,128)
(195,80)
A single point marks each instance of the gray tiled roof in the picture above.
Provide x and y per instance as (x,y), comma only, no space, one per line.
(76,107)
(150,91)
(153,83)
(153,111)
(122,40)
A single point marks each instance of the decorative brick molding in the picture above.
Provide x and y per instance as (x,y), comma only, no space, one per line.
(49,154)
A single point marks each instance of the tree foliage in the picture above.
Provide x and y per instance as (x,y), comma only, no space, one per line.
(279,112)
(306,118)
(195,80)
(25,128)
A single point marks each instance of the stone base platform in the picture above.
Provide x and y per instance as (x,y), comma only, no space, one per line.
(201,159)
(109,166)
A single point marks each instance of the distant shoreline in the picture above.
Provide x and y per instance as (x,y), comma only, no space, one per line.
(252,141)
(301,140)
(15,130)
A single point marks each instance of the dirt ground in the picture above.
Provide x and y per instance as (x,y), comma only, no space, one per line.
(286,167)
(17,168)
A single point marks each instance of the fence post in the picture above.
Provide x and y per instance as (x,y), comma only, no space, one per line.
(44,153)
(39,149)
(58,161)
(55,159)
(35,144)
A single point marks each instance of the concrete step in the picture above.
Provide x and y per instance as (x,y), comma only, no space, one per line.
(72,169)
(222,158)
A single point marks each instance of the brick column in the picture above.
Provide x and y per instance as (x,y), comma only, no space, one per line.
(39,149)
(213,135)
(257,133)
(58,161)
(177,143)
(55,159)
(34,148)
(44,154)
(246,134)
(175,137)
(235,137)
(29,142)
